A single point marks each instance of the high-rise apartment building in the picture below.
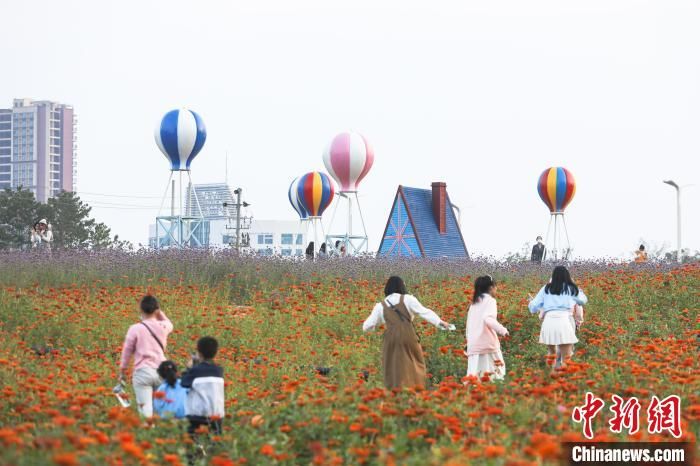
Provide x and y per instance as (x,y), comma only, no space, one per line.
(38,147)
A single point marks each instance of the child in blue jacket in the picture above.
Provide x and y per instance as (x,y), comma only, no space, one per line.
(171,396)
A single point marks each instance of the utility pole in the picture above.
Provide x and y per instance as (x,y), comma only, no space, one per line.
(679,254)
(237,192)
(238,205)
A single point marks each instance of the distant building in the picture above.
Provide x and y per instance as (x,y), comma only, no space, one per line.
(216,204)
(264,237)
(38,149)
(214,200)
(422,223)
(286,238)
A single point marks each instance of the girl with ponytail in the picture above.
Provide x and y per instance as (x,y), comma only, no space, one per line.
(170,398)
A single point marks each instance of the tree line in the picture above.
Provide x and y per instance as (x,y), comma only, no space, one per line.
(73,227)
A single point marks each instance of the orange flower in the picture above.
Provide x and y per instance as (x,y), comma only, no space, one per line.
(548,450)
(173,460)
(417,433)
(222,461)
(158,395)
(65,459)
(267,450)
(63,421)
(132,449)
(494,451)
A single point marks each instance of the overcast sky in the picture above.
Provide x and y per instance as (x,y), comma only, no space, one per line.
(481,95)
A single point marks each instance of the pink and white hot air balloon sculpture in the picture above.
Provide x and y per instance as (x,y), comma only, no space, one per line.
(348,159)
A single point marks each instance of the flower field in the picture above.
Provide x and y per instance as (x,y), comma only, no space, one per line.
(303,383)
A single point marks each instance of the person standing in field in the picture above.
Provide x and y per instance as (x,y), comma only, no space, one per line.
(338,249)
(169,400)
(204,380)
(640,255)
(556,300)
(403,363)
(484,357)
(310,251)
(537,251)
(145,342)
(323,251)
(41,235)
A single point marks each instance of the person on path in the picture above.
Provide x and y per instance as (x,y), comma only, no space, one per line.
(537,251)
(403,363)
(145,342)
(557,300)
(484,357)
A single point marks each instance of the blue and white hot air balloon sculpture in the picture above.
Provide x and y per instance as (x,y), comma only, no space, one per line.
(295,201)
(180,136)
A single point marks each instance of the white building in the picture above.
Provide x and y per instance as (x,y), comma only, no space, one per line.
(286,238)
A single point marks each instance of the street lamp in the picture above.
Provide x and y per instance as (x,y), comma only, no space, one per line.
(678,215)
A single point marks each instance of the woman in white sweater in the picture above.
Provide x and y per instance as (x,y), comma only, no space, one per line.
(403,363)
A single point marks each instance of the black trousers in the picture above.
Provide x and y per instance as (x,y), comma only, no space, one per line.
(214,426)
(202,442)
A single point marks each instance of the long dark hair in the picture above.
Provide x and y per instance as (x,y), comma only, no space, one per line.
(168,372)
(561,282)
(394,285)
(310,249)
(482,285)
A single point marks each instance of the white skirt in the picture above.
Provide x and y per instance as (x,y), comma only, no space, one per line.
(493,363)
(558,329)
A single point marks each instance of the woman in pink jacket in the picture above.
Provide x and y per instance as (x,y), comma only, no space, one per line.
(483,347)
(145,343)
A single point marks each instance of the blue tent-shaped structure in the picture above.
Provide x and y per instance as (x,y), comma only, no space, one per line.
(422,223)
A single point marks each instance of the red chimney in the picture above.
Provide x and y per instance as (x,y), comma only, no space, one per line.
(440,205)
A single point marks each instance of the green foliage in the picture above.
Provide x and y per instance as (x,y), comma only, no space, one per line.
(69,216)
(18,211)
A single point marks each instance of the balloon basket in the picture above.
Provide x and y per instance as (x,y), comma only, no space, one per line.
(557,245)
(180,232)
(355,243)
(177,230)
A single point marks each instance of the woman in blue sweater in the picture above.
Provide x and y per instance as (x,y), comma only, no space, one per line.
(556,300)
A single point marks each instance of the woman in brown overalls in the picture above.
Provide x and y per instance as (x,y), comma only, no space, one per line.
(402,355)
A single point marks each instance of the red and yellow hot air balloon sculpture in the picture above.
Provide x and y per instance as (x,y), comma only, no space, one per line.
(310,195)
(556,187)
